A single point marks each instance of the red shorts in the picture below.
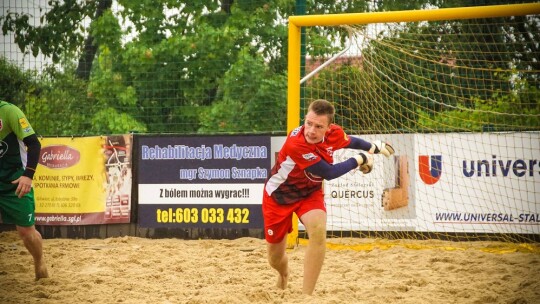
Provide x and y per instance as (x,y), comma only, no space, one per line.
(278,218)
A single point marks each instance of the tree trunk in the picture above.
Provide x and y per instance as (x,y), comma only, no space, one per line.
(89,52)
(226,6)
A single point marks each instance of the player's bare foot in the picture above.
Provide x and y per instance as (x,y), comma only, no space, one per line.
(41,271)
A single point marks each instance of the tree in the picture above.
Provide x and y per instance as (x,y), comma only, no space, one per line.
(250,99)
(450,69)
(178,62)
(59,106)
(60,33)
(15,82)
(90,48)
(162,65)
(499,112)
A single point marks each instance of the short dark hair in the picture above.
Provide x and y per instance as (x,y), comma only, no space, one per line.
(323,107)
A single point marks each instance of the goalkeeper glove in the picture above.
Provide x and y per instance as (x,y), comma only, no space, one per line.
(365,162)
(381,147)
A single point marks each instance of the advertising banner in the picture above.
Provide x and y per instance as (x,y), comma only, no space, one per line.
(479,182)
(83,180)
(466,182)
(378,201)
(202,182)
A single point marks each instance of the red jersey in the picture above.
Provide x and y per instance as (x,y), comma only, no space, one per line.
(289,181)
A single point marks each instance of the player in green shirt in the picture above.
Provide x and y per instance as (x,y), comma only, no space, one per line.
(19,157)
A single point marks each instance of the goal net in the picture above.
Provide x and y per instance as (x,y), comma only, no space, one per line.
(456,92)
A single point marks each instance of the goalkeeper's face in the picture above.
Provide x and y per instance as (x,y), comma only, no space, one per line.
(315,126)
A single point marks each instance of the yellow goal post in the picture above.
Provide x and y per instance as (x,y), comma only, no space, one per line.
(296,23)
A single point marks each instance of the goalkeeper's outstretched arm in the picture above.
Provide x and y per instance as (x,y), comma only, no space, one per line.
(376,147)
(330,171)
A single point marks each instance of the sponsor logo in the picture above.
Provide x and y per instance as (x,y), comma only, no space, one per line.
(309,156)
(25,126)
(500,167)
(1,124)
(430,168)
(59,157)
(24,123)
(295,131)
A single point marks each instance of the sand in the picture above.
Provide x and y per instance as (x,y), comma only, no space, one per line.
(139,270)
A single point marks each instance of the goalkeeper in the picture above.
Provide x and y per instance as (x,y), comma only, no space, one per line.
(295,186)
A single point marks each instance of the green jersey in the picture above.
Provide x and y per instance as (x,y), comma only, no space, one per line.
(14,127)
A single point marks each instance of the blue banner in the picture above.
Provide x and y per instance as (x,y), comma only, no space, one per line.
(202,182)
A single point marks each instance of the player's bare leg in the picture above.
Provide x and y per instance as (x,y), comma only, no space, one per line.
(315,223)
(278,259)
(34,244)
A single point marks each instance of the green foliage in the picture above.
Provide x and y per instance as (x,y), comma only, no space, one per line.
(449,71)
(362,103)
(15,82)
(182,61)
(107,85)
(506,112)
(110,121)
(173,66)
(113,99)
(61,31)
(177,78)
(106,31)
(60,106)
(250,99)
